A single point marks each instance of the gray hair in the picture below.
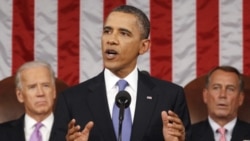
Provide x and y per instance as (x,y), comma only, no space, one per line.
(32,64)
(143,20)
(226,69)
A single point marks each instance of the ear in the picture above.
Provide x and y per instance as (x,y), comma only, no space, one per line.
(19,95)
(241,98)
(55,92)
(204,94)
(145,45)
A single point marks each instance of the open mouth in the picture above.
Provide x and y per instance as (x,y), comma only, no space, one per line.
(221,105)
(111,53)
(41,102)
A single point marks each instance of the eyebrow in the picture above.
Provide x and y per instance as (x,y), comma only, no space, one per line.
(120,29)
(227,85)
(106,27)
(126,30)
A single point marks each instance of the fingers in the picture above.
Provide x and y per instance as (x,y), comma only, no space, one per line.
(72,123)
(170,117)
(85,132)
(164,117)
(173,117)
(72,128)
(175,129)
(88,128)
(73,131)
(172,125)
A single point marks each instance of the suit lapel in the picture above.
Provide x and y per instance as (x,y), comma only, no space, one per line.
(240,131)
(18,130)
(144,107)
(100,111)
(205,132)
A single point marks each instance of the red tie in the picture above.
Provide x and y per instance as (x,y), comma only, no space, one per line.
(222,134)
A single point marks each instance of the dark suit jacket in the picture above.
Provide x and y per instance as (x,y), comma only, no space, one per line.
(12,130)
(88,102)
(202,131)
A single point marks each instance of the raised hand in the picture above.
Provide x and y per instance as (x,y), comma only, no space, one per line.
(173,128)
(74,133)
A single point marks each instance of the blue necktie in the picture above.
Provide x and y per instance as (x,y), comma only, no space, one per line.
(127,121)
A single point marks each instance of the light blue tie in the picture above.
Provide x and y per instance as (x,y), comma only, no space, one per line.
(127,121)
(36,135)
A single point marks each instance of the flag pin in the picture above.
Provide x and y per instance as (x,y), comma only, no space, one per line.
(149,97)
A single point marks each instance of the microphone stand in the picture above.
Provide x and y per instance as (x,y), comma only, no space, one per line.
(123,100)
(121,117)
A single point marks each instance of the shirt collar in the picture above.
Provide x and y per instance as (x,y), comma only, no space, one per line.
(229,126)
(111,79)
(30,122)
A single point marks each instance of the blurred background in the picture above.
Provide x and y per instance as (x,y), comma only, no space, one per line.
(189,37)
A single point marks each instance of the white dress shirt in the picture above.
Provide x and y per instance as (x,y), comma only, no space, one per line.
(29,126)
(112,88)
(229,128)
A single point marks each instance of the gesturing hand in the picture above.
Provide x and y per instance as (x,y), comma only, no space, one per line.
(74,133)
(173,128)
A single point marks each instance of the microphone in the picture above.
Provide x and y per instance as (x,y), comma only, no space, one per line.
(122,100)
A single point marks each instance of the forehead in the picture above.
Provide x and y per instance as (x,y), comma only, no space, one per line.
(122,20)
(34,73)
(224,77)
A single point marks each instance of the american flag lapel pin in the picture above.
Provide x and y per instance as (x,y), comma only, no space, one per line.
(149,97)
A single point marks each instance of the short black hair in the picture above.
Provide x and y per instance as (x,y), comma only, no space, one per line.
(144,23)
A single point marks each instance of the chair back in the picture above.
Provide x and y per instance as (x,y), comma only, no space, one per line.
(198,109)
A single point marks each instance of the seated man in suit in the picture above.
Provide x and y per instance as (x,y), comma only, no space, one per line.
(223,95)
(35,88)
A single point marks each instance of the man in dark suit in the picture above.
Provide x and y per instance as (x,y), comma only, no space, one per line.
(223,96)
(158,108)
(35,88)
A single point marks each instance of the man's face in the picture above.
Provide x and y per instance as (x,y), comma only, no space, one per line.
(122,43)
(223,96)
(37,91)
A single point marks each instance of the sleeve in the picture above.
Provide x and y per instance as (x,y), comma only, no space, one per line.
(181,109)
(61,119)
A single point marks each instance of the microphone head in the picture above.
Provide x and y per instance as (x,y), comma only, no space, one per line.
(123,98)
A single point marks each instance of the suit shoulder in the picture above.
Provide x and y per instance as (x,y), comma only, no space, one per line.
(201,131)
(83,86)
(243,124)
(10,125)
(6,124)
(165,83)
(199,124)
(163,88)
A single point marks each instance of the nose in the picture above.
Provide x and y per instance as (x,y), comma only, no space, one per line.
(112,39)
(223,93)
(40,91)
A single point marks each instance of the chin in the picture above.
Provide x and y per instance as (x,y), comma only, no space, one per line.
(222,114)
(43,111)
(110,66)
